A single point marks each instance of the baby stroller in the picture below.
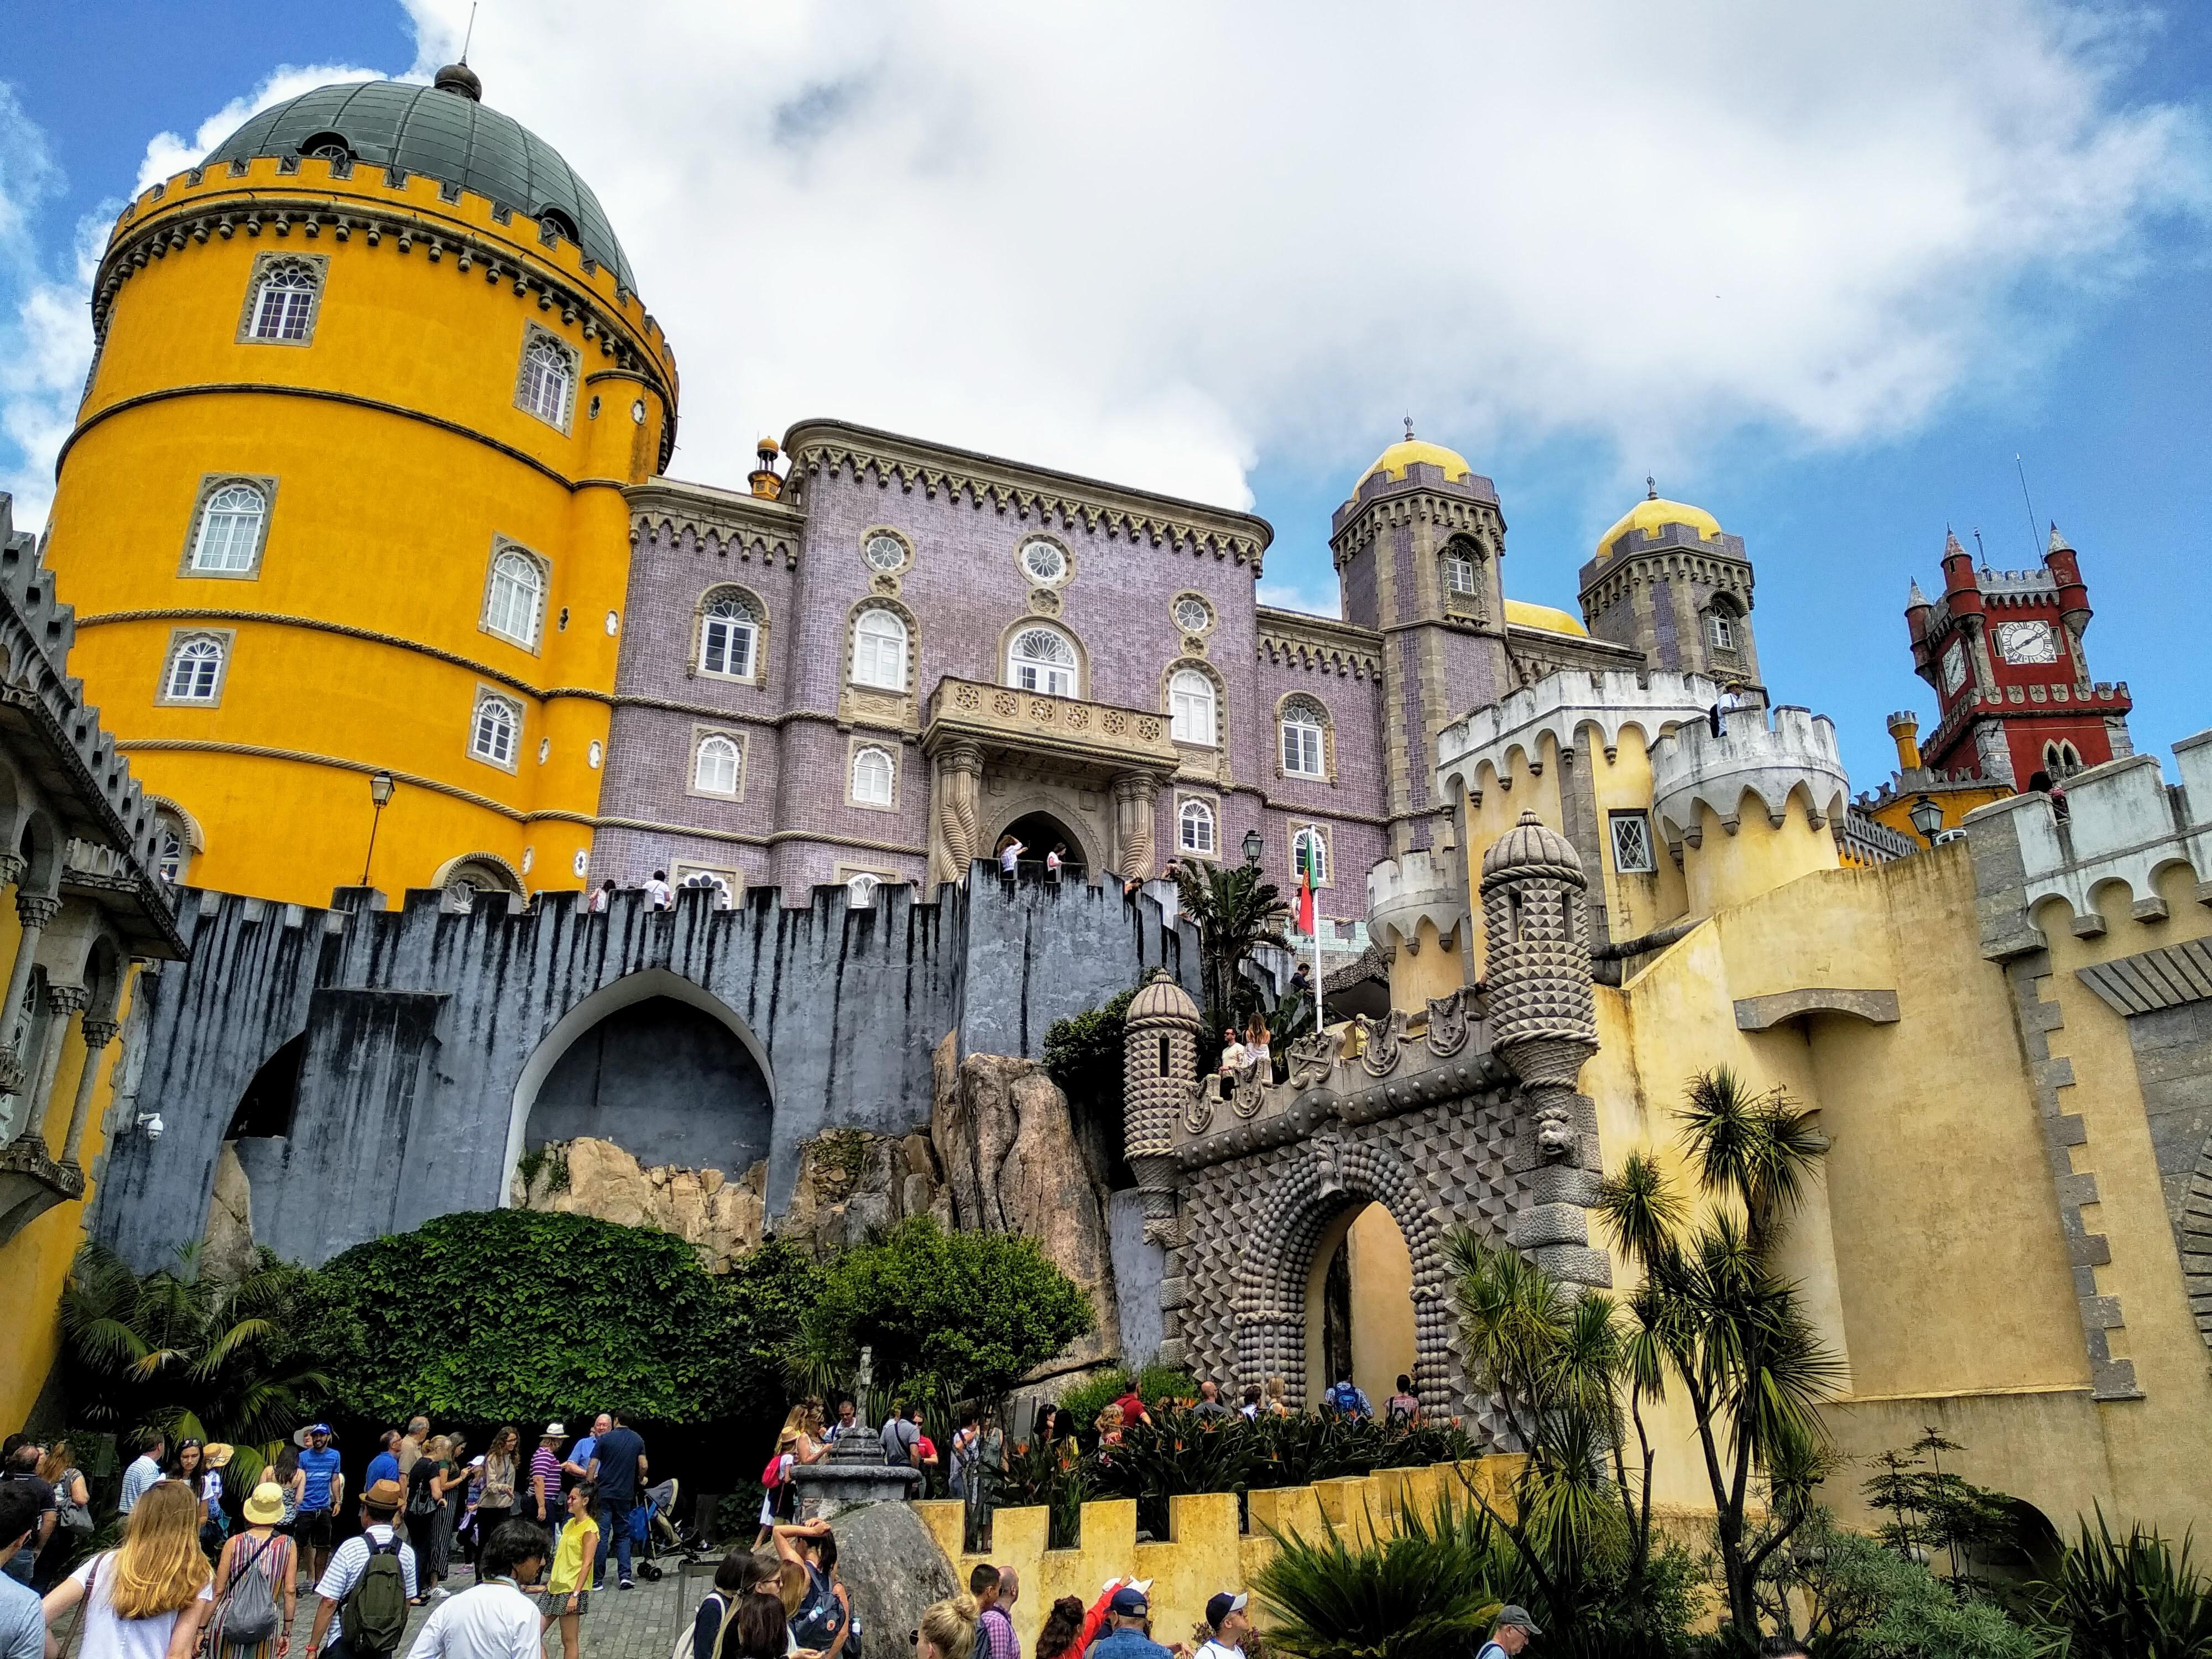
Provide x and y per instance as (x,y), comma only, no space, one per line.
(652,1529)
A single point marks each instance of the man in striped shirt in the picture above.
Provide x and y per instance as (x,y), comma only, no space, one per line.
(542,1503)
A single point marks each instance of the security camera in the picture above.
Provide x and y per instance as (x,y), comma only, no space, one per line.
(150,1123)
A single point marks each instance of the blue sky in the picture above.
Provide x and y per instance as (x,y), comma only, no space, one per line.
(1932,245)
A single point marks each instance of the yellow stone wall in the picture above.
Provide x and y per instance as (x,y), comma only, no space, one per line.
(1204,1553)
(400,456)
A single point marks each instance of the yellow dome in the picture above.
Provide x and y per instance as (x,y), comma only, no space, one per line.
(1393,462)
(1549,617)
(1650,513)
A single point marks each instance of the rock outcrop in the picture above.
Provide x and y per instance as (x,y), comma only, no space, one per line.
(849,1182)
(1013,1163)
(893,1570)
(227,1250)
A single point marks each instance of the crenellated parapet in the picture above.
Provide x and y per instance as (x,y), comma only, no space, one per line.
(1769,760)
(2123,825)
(1574,709)
(1424,884)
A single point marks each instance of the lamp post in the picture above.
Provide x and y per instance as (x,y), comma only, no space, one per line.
(1927,816)
(380,785)
(1253,845)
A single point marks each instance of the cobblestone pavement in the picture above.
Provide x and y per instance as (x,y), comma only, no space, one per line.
(633,1624)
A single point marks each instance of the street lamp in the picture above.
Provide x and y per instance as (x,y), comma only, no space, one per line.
(1927,816)
(1253,845)
(379,791)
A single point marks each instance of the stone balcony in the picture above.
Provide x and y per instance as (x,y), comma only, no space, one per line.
(32,1182)
(1094,738)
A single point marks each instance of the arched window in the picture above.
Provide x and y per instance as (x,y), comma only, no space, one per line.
(1720,627)
(557,222)
(861,891)
(1304,722)
(1196,827)
(1459,571)
(714,766)
(515,597)
(729,636)
(284,303)
(1190,707)
(229,538)
(195,671)
(496,730)
(879,649)
(1309,855)
(2061,760)
(1041,660)
(873,776)
(548,375)
(173,856)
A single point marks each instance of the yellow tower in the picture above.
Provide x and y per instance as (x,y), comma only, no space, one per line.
(345,496)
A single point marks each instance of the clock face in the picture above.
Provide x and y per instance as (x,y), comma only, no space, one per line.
(1954,668)
(2026,641)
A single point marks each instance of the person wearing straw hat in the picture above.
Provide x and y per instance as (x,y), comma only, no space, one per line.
(379,1509)
(257,1548)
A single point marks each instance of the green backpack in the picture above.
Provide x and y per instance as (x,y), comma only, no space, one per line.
(374,1617)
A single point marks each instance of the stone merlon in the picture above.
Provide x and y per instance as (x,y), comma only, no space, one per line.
(1691,767)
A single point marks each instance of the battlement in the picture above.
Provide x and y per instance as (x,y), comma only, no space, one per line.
(1791,751)
(1562,706)
(1424,884)
(2123,823)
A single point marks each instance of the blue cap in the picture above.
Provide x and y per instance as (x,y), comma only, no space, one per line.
(1129,1601)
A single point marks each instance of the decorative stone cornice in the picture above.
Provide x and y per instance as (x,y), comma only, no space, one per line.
(725,522)
(1321,643)
(822,448)
(1001,719)
(1476,515)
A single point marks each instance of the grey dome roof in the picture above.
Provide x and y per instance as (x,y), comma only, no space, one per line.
(446,135)
(1531,848)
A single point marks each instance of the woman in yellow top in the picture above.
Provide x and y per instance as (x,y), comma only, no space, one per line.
(568,1587)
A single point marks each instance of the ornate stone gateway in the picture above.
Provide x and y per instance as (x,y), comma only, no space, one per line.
(1464,1114)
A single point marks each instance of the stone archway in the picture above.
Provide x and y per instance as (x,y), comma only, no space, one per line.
(628,993)
(1330,1175)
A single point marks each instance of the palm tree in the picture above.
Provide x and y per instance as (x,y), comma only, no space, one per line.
(186,1353)
(1235,913)
(1715,1312)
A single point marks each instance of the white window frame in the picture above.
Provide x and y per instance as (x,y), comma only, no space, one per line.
(1191,811)
(1316,836)
(740,621)
(1066,561)
(1720,630)
(503,592)
(1205,607)
(173,856)
(281,312)
(205,687)
(1193,715)
(870,540)
(735,744)
(880,667)
(1304,729)
(1639,824)
(1049,676)
(729,884)
(1461,582)
(888,801)
(545,384)
(483,729)
(223,500)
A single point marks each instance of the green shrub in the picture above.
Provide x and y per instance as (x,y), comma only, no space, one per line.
(2131,1598)
(1424,1592)
(1083,1054)
(968,1313)
(1087,1400)
(492,1315)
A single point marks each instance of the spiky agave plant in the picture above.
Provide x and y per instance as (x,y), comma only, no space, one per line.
(2131,1598)
(1426,1590)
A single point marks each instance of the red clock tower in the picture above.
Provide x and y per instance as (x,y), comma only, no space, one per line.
(2003,650)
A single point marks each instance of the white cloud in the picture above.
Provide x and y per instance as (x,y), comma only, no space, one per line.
(1153,242)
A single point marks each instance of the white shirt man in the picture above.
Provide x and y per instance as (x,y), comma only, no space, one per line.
(348,1562)
(1225,1617)
(659,895)
(495,1620)
(140,1475)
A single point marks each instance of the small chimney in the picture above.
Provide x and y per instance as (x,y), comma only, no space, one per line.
(1904,728)
(767,483)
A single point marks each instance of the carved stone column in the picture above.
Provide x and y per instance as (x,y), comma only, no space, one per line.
(64,1000)
(1136,807)
(34,911)
(98,1034)
(958,770)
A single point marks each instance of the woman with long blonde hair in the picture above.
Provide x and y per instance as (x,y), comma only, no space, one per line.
(150,1595)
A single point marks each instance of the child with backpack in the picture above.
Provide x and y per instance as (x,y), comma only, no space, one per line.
(255,1583)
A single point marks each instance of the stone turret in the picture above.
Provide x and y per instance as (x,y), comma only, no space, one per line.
(1773,784)
(1536,922)
(1159,1072)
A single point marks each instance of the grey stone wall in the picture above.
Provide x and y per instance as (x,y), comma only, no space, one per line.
(430,1036)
